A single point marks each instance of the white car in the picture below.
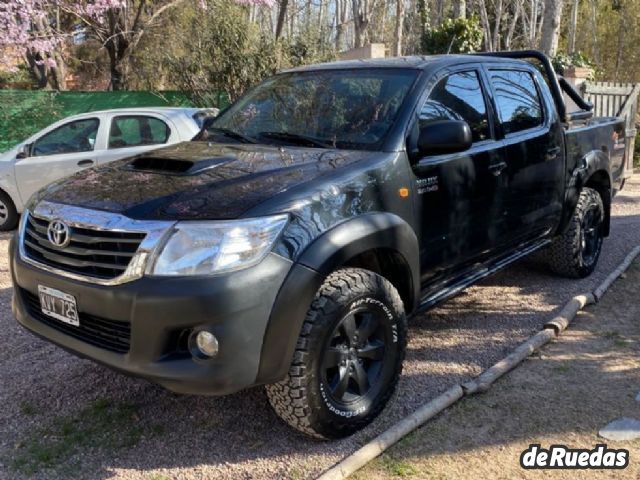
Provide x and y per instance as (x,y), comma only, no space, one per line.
(85,140)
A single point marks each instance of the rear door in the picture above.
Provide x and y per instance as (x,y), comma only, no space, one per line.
(460,195)
(130,135)
(534,152)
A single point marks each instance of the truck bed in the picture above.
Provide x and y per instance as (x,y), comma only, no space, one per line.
(598,133)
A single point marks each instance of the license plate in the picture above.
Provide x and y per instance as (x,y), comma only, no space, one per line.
(58,305)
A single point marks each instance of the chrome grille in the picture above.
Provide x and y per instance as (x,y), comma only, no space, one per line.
(102,254)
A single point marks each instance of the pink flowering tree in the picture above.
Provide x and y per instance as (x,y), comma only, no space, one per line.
(30,34)
(37,33)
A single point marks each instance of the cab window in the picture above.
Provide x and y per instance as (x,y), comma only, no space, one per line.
(458,96)
(137,130)
(517,100)
(72,137)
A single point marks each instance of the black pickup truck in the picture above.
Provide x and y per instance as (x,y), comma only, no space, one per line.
(287,244)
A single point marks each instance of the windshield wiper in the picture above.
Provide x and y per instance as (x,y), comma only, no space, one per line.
(295,138)
(231,134)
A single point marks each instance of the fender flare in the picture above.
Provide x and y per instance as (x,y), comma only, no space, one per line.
(325,254)
(593,162)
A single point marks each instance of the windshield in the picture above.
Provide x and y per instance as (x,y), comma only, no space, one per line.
(351,109)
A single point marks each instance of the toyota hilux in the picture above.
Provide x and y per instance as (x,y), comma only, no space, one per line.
(290,241)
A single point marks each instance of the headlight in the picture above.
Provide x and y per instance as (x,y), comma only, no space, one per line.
(205,248)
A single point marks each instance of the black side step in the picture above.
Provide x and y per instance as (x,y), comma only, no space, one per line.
(451,290)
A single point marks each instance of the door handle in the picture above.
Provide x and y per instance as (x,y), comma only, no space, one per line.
(497,168)
(552,153)
(85,163)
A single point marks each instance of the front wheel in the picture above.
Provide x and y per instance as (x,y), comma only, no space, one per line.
(575,253)
(348,357)
(8,213)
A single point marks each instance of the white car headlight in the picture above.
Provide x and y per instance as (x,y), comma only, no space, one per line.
(206,248)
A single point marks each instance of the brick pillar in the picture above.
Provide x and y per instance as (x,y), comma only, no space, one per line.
(576,76)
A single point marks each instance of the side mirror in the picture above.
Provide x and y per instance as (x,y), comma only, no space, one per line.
(444,136)
(24,152)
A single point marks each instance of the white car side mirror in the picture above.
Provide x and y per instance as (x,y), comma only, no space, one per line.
(24,152)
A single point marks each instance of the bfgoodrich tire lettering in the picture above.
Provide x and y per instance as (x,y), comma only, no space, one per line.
(575,253)
(348,357)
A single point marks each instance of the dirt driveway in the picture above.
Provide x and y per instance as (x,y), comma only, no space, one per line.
(63,417)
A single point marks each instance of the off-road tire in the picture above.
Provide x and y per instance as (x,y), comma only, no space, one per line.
(8,213)
(566,254)
(301,398)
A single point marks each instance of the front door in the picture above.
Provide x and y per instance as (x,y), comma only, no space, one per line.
(57,154)
(460,195)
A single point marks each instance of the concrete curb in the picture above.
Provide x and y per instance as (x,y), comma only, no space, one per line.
(482,383)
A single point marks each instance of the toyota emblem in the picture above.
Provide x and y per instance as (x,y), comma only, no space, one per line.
(58,234)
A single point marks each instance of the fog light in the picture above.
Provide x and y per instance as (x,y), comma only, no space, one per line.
(207,343)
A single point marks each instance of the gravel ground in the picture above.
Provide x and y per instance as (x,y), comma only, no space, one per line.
(63,417)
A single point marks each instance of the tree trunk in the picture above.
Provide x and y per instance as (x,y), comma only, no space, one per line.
(282,15)
(533,24)
(359,22)
(496,26)
(58,73)
(486,27)
(399,27)
(573,25)
(512,27)
(36,69)
(46,75)
(439,12)
(117,48)
(321,24)
(594,30)
(423,11)
(539,31)
(118,78)
(619,50)
(339,25)
(460,9)
(551,27)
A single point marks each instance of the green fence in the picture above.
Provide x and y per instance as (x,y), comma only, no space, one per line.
(24,112)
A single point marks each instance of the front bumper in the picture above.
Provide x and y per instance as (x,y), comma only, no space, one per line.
(235,307)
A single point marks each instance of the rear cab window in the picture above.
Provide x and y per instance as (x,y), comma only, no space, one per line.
(458,96)
(517,100)
(137,130)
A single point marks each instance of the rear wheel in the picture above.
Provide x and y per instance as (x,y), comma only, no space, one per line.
(8,213)
(348,356)
(575,254)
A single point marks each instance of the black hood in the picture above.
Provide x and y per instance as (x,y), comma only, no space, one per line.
(196,180)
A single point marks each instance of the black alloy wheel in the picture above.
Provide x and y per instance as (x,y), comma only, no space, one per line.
(591,235)
(355,356)
(348,357)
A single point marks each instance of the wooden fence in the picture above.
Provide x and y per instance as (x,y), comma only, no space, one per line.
(612,99)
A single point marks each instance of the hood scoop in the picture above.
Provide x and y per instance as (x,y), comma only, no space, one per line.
(161,165)
(172,166)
